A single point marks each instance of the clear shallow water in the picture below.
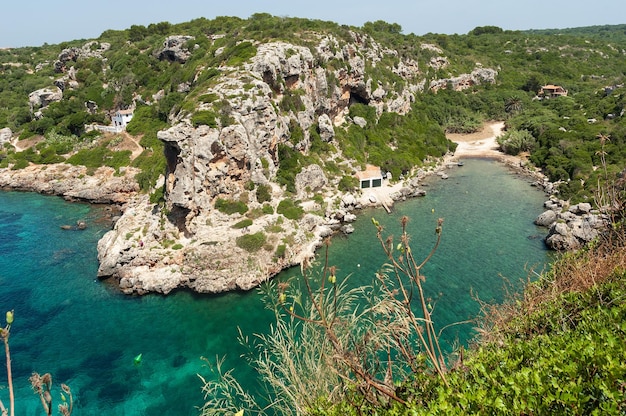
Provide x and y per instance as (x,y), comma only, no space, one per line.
(87,335)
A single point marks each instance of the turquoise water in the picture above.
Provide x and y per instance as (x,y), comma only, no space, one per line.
(86,334)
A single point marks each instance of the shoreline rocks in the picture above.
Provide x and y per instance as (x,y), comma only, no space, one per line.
(73,183)
(570,227)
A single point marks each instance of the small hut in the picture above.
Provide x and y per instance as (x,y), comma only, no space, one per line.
(371,177)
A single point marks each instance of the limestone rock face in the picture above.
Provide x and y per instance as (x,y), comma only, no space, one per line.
(174,49)
(73,182)
(327,131)
(43,97)
(5,135)
(91,49)
(464,81)
(188,242)
(310,180)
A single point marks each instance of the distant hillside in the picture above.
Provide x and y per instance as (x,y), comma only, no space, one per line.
(616,33)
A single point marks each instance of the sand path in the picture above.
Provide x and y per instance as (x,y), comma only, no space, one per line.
(480,144)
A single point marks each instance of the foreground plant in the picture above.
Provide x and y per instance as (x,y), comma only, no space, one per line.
(41,384)
(334,343)
(4,333)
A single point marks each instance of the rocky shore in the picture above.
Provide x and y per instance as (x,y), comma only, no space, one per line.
(146,252)
(154,250)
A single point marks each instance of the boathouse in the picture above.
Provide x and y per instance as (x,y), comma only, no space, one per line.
(371,177)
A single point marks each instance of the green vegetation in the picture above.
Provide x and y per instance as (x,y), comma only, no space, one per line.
(252,242)
(230,207)
(515,141)
(100,156)
(243,224)
(290,209)
(585,61)
(528,359)
(395,143)
(280,251)
(557,348)
(263,193)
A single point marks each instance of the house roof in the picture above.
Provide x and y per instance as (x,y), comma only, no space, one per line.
(370,172)
(128,112)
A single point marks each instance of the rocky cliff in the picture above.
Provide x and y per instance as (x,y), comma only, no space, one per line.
(227,219)
(187,241)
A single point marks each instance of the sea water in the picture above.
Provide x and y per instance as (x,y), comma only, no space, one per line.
(89,336)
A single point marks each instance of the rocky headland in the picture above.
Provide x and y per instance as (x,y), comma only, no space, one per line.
(187,240)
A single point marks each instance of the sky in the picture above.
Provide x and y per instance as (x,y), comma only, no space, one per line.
(35,22)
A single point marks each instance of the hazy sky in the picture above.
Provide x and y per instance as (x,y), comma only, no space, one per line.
(35,22)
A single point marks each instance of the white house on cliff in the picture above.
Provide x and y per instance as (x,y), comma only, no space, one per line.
(121,118)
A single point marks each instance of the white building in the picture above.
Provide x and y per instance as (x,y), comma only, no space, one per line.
(121,118)
(371,177)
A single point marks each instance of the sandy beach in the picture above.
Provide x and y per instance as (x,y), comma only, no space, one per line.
(479,144)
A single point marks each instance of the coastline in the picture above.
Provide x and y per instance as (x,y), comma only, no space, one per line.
(143,254)
(481,144)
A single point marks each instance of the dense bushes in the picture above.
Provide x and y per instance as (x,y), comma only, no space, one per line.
(100,156)
(290,209)
(394,142)
(515,141)
(230,207)
(251,242)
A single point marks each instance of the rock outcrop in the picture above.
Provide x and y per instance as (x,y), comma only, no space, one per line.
(174,49)
(91,49)
(5,136)
(43,97)
(188,242)
(570,228)
(464,81)
(278,101)
(74,183)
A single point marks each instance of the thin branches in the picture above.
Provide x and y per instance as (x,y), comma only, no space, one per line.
(336,343)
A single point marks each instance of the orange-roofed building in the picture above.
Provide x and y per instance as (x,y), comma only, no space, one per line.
(552,91)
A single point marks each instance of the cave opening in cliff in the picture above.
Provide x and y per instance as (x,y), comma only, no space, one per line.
(356,98)
(171,156)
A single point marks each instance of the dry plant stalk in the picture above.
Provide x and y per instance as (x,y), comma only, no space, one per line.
(357,361)
(41,384)
(333,342)
(5,332)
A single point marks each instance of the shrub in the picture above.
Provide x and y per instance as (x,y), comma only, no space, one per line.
(515,141)
(243,224)
(20,164)
(290,209)
(348,183)
(263,194)
(280,251)
(268,209)
(204,117)
(157,196)
(230,207)
(251,242)
(100,156)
